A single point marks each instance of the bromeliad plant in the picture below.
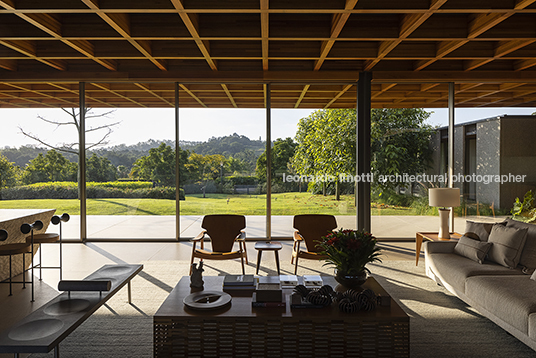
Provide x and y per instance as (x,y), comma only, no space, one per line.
(349,251)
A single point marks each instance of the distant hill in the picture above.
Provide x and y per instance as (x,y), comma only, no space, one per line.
(237,146)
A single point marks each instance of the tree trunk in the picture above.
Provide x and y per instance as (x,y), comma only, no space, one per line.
(324,188)
(337,191)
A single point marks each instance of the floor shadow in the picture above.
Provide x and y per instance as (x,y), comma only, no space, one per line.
(136,209)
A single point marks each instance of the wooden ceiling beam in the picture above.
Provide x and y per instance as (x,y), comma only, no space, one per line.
(408,24)
(265,33)
(7,64)
(187,90)
(338,95)
(337,23)
(121,24)
(191,21)
(28,48)
(524,64)
(67,89)
(41,103)
(501,49)
(229,95)
(40,93)
(384,88)
(302,95)
(107,88)
(148,90)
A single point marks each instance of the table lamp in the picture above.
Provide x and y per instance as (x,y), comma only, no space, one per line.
(444,198)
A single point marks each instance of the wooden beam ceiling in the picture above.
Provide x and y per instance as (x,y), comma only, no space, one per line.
(222,52)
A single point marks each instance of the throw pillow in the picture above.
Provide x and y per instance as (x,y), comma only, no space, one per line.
(533,276)
(472,249)
(507,245)
(528,257)
(481,229)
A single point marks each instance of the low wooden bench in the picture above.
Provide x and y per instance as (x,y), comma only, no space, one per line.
(44,329)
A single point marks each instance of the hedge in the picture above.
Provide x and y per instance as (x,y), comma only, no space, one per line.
(69,190)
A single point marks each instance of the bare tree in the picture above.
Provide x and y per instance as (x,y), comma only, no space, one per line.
(74,120)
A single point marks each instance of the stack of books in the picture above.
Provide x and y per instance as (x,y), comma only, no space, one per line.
(269,293)
(239,282)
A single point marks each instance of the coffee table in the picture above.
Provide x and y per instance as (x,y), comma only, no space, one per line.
(239,330)
(430,236)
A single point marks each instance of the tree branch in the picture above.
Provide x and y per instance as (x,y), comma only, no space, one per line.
(37,139)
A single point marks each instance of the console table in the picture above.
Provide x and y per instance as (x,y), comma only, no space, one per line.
(239,330)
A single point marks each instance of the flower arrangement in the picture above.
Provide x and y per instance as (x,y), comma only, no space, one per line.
(350,250)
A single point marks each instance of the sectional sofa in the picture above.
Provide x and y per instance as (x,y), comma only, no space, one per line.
(491,268)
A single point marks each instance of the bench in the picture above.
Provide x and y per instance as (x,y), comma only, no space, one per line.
(44,329)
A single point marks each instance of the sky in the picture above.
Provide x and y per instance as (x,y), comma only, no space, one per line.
(139,125)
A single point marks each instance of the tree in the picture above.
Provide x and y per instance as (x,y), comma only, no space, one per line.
(399,143)
(282,151)
(159,166)
(50,167)
(205,167)
(326,145)
(100,169)
(74,120)
(9,173)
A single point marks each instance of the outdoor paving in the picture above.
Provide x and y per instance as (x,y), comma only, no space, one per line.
(163,227)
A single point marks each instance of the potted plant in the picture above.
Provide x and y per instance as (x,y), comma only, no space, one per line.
(349,251)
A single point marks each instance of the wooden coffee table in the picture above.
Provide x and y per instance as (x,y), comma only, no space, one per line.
(239,330)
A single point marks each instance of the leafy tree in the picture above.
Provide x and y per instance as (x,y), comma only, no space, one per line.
(100,169)
(399,144)
(122,171)
(282,151)
(50,167)
(159,166)
(9,173)
(205,167)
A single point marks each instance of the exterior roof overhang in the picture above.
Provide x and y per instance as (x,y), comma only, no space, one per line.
(223,53)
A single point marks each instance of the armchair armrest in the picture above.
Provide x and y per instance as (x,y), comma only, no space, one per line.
(439,247)
(199,237)
(241,236)
(297,236)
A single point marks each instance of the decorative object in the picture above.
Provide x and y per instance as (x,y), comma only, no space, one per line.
(444,198)
(349,251)
(196,279)
(207,300)
(352,301)
(524,211)
(304,297)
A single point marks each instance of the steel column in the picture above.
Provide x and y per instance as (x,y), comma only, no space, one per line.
(451,147)
(363,150)
(268,163)
(82,160)
(177,163)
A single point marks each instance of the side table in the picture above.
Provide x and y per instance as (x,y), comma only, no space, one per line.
(430,236)
(274,246)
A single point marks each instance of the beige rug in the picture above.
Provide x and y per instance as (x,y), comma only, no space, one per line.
(441,325)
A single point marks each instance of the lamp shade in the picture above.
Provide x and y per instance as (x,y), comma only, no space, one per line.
(444,197)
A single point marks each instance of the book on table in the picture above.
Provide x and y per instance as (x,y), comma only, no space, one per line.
(260,304)
(288,281)
(239,280)
(312,281)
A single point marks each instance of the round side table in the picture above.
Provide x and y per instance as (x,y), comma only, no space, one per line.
(274,246)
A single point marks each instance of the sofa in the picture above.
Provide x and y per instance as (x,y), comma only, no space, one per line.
(492,268)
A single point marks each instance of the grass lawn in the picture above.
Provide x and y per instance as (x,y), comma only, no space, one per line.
(282,204)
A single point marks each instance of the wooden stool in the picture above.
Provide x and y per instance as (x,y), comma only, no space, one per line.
(15,249)
(268,246)
(45,239)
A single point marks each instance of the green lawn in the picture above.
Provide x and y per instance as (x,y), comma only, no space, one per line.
(282,204)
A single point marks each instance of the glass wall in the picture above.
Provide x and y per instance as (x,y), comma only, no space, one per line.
(130,164)
(220,151)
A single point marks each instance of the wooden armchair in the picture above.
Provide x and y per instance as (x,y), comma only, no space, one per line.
(223,231)
(309,229)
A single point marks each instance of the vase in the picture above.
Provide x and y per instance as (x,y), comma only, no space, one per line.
(351,281)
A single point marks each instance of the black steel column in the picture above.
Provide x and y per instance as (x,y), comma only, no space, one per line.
(177,162)
(363,150)
(451,147)
(268,163)
(82,160)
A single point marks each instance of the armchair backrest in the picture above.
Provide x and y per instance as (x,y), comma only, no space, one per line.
(312,227)
(223,230)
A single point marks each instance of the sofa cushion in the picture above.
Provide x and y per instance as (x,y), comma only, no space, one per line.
(507,246)
(455,269)
(472,249)
(510,298)
(481,229)
(528,256)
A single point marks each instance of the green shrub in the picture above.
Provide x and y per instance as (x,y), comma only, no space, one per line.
(69,190)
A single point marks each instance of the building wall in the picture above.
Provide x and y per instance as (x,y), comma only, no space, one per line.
(459,156)
(518,156)
(488,160)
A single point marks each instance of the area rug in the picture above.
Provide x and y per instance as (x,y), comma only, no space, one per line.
(441,325)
